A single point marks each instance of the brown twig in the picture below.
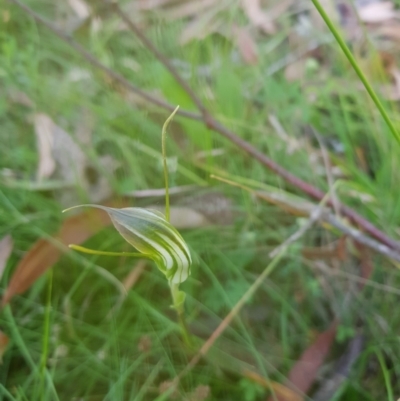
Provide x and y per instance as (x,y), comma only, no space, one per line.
(209,121)
(164,60)
(317,213)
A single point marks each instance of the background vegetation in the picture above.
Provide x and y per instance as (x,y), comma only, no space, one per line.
(70,134)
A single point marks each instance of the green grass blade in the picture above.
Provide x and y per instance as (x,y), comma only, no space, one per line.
(357,68)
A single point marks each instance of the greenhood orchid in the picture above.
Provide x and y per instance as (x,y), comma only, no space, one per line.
(153,236)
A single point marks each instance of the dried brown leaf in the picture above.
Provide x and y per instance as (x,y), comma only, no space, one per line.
(377,12)
(304,372)
(6,246)
(44,130)
(4,340)
(81,9)
(246,45)
(46,252)
(257,16)
(70,163)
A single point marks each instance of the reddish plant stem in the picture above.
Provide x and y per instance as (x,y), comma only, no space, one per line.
(206,117)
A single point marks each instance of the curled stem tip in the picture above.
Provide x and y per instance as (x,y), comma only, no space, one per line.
(76,206)
(164,156)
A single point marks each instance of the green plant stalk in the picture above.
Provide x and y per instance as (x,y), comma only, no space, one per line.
(356,68)
(46,335)
(164,156)
(386,375)
(180,310)
(175,293)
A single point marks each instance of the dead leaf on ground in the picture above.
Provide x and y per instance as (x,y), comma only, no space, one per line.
(6,246)
(246,45)
(377,12)
(305,370)
(258,17)
(44,130)
(341,371)
(81,9)
(4,340)
(61,157)
(45,252)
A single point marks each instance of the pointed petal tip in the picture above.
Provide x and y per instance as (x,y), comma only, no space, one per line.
(84,205)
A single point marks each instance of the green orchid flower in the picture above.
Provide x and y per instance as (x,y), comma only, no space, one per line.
(154,237)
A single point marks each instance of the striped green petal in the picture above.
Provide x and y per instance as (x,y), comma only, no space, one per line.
(155,237)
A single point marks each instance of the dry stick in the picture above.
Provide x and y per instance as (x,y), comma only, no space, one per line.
(360,237)
(319,212)
(211,123)
(149,44)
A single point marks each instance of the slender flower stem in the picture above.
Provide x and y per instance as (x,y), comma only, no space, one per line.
(164,156)
(178,298)
(357,68)
(96,252)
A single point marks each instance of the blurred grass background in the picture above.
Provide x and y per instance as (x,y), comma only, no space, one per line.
(280,88)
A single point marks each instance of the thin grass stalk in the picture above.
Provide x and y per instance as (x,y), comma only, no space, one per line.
(357,69)
(46,335)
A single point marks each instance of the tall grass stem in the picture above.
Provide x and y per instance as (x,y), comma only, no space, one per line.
(356,68)
(164,156)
